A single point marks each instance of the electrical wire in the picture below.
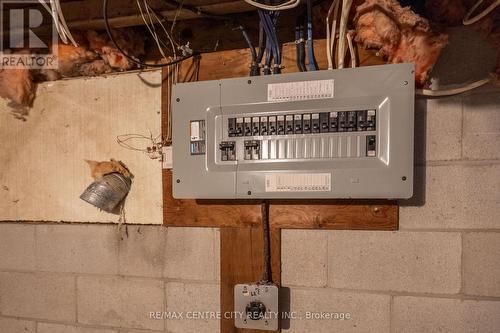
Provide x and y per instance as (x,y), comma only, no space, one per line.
(468,20)
(453,91)
(266,271)
(284,6)
(300,43)
(331,31)
(349,37)
(273,19)
(313,66)
(59,21)
(346,8)
(271,48)
(126,55)
(150,26)
(254,67)
(262,43)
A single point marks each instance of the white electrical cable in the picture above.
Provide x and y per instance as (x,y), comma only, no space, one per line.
(286,5)
(59,21)
(151,28)
(452,91)
(330,31)
(159,20)
(351,49)
(346,8)
(468,20)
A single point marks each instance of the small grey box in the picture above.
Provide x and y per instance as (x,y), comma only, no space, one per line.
(322,134)
(256,306)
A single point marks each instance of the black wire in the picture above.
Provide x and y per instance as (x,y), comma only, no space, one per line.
(108,30)
(266,271)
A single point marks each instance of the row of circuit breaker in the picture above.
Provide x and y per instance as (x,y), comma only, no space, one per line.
(303,148)
(308,123)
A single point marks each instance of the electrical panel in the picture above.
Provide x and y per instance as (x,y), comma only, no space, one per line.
(324,134)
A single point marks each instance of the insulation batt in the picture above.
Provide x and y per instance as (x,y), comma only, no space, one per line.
(17,86)
(400,35)
(95,55)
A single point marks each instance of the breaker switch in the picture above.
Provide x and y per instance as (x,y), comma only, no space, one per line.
(334,121)
(371,146)
(263,126)
(272,125)
(323,120)
(252,150)
(239,127)
(371,120)
(315,123)
(281,125)
(255,126)
(228,151)
(306,123)
(248,126)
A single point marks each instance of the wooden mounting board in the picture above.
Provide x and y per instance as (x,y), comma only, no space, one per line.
(240,220)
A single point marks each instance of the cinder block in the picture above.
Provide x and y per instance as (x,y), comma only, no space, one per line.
(38,295)
(17,246)
(197,303)
(304,256)
(481,264)
(190,254)
(456,196)
(77,248)
(438,129)
(10,325)
(422,314)
(142,250)
(322,310)
(57,328)
(395,261)
(481,126)
(120,302)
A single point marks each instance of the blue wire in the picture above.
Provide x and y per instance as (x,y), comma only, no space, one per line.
(270,46)
(310,46)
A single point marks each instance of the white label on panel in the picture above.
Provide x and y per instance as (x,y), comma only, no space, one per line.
(195,131)
(302,90)
(298,182)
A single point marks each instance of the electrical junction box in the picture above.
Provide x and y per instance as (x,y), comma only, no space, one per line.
(323,134)
(256,306)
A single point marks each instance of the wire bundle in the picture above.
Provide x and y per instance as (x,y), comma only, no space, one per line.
(54,9)
(284,6)
(344,35)
(273,48)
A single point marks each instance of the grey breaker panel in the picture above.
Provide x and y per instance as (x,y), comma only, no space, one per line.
(325,134)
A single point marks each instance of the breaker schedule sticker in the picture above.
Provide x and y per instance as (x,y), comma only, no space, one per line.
(298,182)
(301,90)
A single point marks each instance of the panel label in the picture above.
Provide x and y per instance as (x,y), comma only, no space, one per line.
(298,182)
(302,90)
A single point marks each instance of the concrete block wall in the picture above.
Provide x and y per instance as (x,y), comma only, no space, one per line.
(439,273)
(87,278)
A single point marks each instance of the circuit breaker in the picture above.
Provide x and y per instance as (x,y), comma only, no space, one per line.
(324,134)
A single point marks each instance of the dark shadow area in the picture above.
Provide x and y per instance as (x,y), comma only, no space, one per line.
(420,144)
(284,307)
